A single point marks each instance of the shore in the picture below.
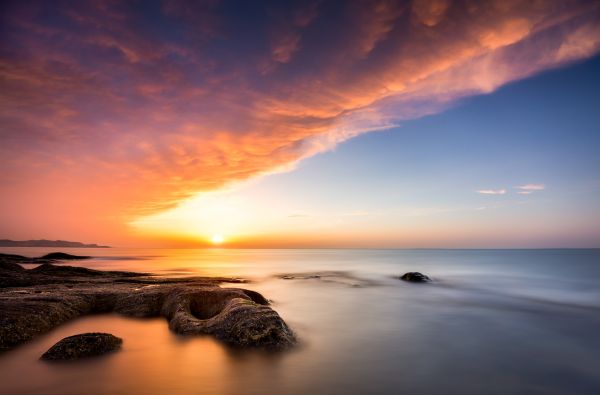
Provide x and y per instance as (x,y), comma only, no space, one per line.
(34,301)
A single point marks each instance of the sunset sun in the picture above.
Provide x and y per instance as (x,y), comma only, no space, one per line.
(217,239)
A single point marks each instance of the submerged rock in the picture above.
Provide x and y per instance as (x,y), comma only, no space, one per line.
(63,256)
(83,346)
(339,277)
(415,277)
(34,301)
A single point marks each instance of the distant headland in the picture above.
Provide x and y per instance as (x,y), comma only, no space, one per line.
(47,243)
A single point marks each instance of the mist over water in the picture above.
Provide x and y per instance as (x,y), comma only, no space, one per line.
(493,321)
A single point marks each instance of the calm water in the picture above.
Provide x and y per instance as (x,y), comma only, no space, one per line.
(493,322)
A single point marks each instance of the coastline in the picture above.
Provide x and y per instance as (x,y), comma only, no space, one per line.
(34,301)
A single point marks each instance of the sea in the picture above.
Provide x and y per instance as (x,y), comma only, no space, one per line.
(491,322)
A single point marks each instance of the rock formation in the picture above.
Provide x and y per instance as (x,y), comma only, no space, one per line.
(85,345)
(34,301)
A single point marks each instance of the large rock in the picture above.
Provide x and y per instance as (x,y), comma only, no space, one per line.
(34,301)
(83,346)
(415,277)
(234,316)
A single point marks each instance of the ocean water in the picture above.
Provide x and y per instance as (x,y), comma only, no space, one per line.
(492,322)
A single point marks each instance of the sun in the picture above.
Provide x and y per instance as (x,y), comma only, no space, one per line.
(217,239)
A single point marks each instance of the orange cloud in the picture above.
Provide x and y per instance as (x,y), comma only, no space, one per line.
(107,113)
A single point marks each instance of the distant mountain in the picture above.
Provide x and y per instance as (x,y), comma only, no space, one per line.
(47,243)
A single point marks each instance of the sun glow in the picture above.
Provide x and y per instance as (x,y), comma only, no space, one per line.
(217,239)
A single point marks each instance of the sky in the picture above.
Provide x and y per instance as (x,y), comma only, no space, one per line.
(413,124)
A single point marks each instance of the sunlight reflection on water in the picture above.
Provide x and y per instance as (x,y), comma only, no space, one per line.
(493,322)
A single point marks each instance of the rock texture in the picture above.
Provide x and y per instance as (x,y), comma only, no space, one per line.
(34,301)
(48,258)
(415,277)
(83,346)
(338,277)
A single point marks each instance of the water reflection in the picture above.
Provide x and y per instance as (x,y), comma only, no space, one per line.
(494,322)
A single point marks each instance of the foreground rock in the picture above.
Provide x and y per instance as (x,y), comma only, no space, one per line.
(83,346)
(415,277)
(34,301)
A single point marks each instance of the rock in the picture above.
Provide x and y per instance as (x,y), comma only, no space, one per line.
(8,266)
(14,275)
(73,271)
(62,256)
(338,277)
(12,258)
(34,301)
(48,258)
(83,346)
(415,277)
(233,316)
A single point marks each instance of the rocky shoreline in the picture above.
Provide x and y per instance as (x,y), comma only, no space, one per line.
(34,301)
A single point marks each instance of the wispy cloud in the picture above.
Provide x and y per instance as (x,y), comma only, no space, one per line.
(99,101)
(491,191)
(528,189)
(532,187)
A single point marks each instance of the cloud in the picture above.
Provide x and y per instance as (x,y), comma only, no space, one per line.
(286,32)
(491,191)
(528,189)
(116,113)
(430,12)
(532,187)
